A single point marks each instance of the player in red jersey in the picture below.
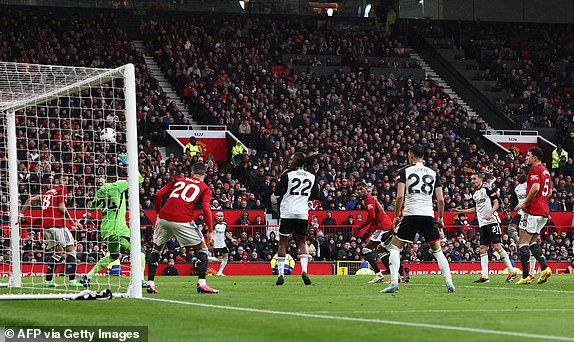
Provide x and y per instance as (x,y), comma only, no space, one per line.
(55,233)
(187,198)
(535,205)
(376,225)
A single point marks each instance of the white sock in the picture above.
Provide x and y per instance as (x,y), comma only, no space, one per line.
(150,283)
(223,264)
(532,264)
(304,262)
(395,264)
(484,265)
(202,282)
(280,263)
(506,260)
(444,266)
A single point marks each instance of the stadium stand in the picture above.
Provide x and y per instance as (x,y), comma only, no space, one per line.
(282,86)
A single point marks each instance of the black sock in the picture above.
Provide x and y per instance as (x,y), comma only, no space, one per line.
(401,270)
(71,266)
(385,261)
(201,265)
(537,252)
(152,263)
(54,260)
(370,257)
(524,253)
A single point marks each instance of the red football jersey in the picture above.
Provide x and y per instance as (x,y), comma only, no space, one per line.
(51,214)
(377,218)
(186,196)
(539,204)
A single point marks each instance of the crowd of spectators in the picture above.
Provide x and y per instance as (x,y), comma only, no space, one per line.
(531,62)
(361,123)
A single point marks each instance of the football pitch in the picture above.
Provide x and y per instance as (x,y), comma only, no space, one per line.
(335,308)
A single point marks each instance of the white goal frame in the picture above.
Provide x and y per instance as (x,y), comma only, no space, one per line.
(11,106)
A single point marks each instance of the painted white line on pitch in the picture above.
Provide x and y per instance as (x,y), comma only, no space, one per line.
(441,311)
(486,287)
(365,320)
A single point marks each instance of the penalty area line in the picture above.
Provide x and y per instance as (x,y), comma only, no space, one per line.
(365,320)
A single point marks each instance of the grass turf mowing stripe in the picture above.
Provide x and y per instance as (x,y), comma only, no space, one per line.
(366,320)
(512,287)
(443,311)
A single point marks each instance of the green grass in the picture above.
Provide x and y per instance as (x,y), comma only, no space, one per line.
(536,309)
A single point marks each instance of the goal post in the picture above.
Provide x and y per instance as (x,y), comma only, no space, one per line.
(52,117)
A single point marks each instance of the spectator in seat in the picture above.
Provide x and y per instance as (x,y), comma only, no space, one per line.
(350,221)
(170,270)
(329,220)
(243,220)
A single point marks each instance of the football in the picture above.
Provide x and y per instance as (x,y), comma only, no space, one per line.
(108,135)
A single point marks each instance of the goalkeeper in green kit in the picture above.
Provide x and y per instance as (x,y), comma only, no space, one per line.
(111,200)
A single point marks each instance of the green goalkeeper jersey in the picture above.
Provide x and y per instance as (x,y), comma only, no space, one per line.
(111,200)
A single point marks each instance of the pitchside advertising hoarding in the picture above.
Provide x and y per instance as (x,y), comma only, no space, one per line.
(264,268)
(209,142)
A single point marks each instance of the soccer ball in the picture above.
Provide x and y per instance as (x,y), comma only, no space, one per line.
(108,135)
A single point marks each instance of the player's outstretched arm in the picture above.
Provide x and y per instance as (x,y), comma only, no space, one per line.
(158,197)
(399,203)
(440,205)
(66,213)
(30,201)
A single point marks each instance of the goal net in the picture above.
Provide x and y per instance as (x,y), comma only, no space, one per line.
(65,133)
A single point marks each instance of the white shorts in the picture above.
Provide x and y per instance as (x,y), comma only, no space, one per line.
(57,236)
(377,235)
(187,233)
(534,223)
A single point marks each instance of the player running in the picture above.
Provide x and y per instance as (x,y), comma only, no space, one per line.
(416,186)
(295,187)
(56,234)
(535,205)
(187,197)
(486,204)
(110,198)
(519,219)
(221,250)
(376,225)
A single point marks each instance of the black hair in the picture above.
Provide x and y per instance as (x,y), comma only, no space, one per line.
(301,159)
(417,150)
(537,152)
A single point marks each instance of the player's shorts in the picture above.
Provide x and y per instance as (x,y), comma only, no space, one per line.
(220,251)
(409,226)
(54,236)
(288,226)
(378,235)
(516,220)
(116,242)
(534,223)
(187,233)
(490,233)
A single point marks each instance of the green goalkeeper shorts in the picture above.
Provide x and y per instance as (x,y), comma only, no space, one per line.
(116,243)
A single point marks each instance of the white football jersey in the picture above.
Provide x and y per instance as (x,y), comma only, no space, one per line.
(219,234)
(296,187)
(420,182)
(483,198)
(520,192)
